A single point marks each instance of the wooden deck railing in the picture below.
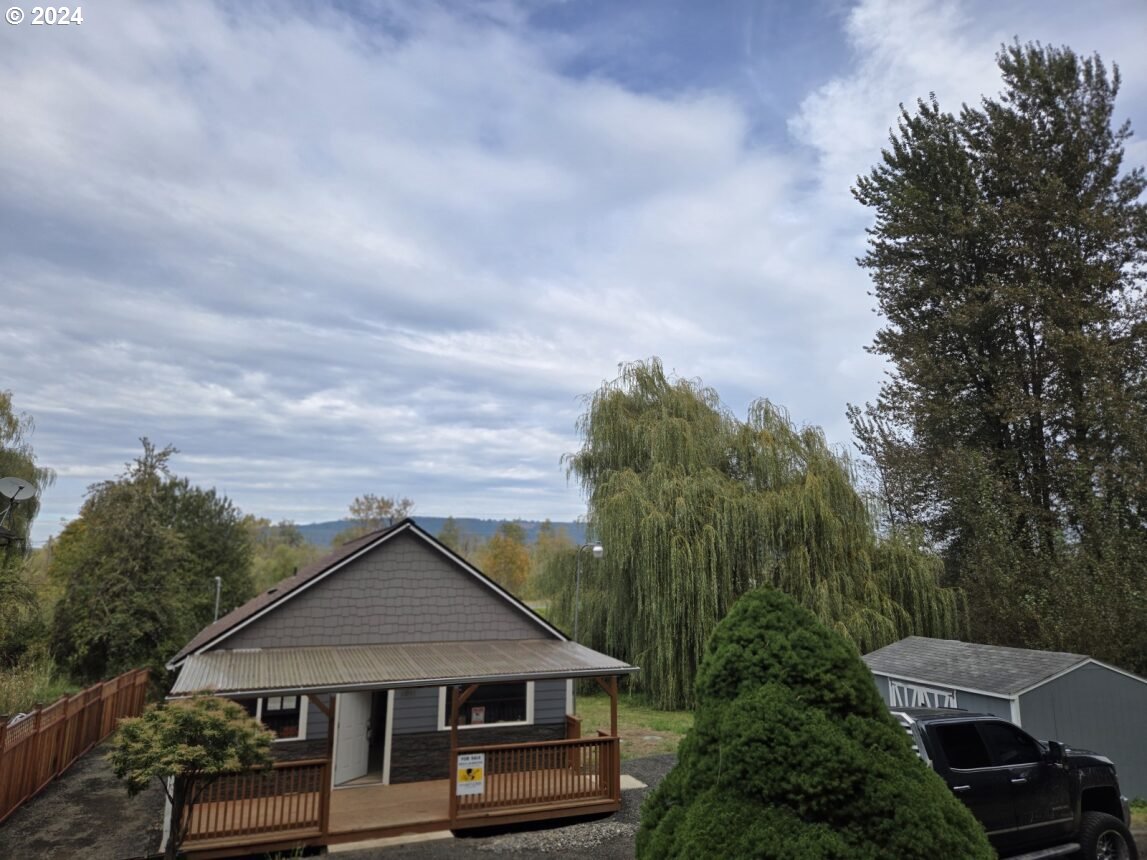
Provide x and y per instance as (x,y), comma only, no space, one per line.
(547,773)
(291,796)
(42,746)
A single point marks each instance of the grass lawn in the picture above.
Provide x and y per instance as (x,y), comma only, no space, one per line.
(1139,813)
(644,730)
(22,686)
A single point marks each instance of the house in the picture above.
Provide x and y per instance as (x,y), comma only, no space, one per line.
(409,693)
(1053,695)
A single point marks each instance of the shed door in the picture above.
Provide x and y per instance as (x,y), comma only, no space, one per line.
(352,737)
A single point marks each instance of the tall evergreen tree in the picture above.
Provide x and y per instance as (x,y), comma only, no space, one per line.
(1008,258)
(695,507)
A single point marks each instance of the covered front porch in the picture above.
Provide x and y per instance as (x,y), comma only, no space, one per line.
(402,756)
(293,804)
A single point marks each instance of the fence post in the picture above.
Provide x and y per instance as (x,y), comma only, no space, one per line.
(30,765)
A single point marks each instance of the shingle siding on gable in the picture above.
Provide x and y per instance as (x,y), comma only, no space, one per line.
(403,591)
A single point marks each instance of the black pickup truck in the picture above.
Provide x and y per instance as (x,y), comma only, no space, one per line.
(1036,800)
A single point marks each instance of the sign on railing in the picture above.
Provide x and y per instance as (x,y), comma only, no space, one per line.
(547,772)
(471,773)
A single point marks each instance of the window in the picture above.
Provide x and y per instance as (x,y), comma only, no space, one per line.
(1010,746)
(490,704)
(286,716)
(963,746)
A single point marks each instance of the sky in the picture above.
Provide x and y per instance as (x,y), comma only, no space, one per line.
(334,248)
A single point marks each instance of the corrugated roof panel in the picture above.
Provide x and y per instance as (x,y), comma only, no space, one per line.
(381,666)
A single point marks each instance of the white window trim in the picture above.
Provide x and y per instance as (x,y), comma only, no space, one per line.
(304,706)
(444,718)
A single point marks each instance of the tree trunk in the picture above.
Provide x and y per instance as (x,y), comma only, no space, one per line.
(178,802)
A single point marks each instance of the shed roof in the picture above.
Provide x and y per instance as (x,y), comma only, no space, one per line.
(326,669)
(970,666)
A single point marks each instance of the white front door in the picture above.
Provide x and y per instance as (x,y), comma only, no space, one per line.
(352,742)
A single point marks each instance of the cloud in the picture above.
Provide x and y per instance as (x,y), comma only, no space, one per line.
(327,252)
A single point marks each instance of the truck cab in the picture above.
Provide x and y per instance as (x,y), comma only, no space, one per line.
(1035,799)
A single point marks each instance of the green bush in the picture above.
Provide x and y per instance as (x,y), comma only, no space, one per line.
(793,754)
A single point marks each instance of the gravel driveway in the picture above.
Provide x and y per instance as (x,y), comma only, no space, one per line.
(610,838)
(85,813)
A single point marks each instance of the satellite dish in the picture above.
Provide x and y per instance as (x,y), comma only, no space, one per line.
(17,489)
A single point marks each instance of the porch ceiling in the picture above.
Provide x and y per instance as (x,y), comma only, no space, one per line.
(328,669)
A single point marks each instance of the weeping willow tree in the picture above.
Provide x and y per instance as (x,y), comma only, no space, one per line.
(695,507)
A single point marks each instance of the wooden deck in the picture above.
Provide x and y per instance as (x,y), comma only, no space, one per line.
(293,803)
(387,807)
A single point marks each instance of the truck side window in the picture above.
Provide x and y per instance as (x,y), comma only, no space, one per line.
(1008,745)
(963,746)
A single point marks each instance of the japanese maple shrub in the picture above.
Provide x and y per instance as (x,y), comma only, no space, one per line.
(193,742)
(793,754)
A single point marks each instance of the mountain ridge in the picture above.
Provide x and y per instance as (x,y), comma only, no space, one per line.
(321,534)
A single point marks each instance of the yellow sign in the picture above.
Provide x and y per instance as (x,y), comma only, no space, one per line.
(471,773)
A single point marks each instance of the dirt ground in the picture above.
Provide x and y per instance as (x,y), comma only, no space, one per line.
(85,813)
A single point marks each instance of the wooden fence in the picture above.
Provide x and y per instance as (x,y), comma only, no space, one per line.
(42,746)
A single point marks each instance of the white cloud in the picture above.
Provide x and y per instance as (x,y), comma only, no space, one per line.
(326,255)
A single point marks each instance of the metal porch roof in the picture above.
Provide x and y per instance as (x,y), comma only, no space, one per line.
(328,669)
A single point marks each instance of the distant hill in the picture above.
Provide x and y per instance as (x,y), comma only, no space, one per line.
(321,534)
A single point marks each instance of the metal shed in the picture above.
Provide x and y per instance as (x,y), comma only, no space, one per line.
(1053,695)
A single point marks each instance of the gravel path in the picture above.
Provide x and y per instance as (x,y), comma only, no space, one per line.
(610,838)
(85,813)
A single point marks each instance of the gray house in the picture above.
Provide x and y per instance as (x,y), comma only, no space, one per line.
(408,692)
(1052,695)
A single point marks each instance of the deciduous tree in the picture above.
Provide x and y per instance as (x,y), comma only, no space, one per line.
(695,507)
(505,558)
(369,513)
(18,605)
(192,742)
(138,568)
(278,551)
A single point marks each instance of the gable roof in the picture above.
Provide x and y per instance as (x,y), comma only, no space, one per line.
(971,666)
(291,587)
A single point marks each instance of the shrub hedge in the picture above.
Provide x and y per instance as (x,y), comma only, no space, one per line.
(793,754)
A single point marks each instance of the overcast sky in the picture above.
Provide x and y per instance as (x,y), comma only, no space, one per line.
(330,248)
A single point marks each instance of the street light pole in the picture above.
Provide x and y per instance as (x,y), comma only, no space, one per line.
(598,552)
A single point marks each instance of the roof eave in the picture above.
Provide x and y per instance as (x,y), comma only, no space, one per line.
(418,682)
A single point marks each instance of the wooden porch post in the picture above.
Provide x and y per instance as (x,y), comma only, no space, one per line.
(614,765)
(458,700)
(610,687)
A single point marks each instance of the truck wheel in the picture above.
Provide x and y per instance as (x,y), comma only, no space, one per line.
(1105,837)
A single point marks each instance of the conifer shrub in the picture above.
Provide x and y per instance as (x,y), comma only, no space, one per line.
(793,754)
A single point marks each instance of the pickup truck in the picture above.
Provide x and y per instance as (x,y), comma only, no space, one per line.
(1035,799)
